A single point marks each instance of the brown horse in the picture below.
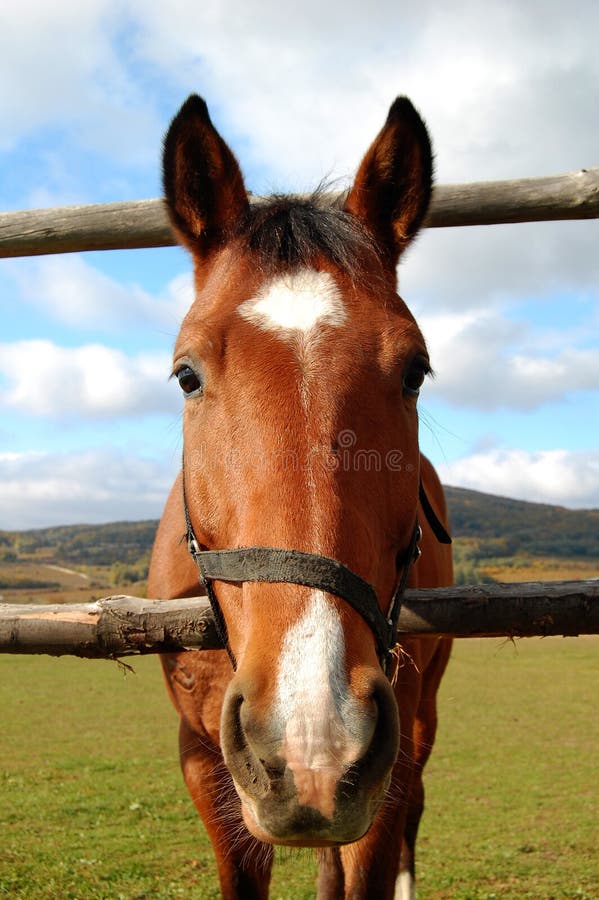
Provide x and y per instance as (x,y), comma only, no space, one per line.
(301,368)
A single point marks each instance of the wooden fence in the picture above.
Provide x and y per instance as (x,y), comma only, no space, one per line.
(127,626)
(122,626)
(144,223)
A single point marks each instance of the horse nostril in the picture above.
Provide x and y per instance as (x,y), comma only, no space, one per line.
(237,748)
(235,731)
(383,747)
(274,768)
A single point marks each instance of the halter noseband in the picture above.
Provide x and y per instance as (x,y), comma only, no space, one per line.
(276,565)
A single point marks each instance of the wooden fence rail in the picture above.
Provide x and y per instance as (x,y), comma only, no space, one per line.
(144,223)
(126,626)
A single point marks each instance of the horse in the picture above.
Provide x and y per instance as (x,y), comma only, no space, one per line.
(302,506)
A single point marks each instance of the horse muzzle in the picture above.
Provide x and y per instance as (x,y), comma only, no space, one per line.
(318,777)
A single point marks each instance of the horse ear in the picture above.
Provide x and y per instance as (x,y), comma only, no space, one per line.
(203,184)
(392,189)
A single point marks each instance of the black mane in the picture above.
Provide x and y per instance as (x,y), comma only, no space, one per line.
(287,232)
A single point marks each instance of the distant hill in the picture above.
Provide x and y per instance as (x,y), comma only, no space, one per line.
(516,526)
(500,527)
(91,545)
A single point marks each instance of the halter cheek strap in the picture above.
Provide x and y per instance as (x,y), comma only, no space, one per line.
(276,565)
(433,520)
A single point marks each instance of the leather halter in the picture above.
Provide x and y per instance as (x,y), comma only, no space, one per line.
(276,565)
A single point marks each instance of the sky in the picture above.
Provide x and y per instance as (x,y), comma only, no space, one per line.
(90,426)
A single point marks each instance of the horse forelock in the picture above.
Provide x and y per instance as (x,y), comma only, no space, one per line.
(286,233)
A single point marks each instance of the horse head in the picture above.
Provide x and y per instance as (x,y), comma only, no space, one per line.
(301,368)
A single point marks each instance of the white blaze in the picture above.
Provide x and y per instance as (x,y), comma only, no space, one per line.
(296,302)
(314,706)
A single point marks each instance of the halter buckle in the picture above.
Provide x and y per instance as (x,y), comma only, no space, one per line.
(192,544)
(417,547)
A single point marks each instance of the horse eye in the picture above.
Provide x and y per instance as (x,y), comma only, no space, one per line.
(414,377)
(188,380)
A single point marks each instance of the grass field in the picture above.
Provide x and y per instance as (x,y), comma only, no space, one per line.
(92,803)
(69,585)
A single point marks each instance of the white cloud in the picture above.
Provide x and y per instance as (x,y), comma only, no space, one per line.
(308,86)
(90,381)
(487,361)
(504,97)
(81,296)
(467,268)
(61,62)
(303,89)
(561,477)
(43,489)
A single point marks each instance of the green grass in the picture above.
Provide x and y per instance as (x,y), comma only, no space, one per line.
(512,784)
(92,803)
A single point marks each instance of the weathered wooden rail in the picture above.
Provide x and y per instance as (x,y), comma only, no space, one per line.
(127,626)
(144,223)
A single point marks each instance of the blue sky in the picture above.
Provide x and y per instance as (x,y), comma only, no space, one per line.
(90,425)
